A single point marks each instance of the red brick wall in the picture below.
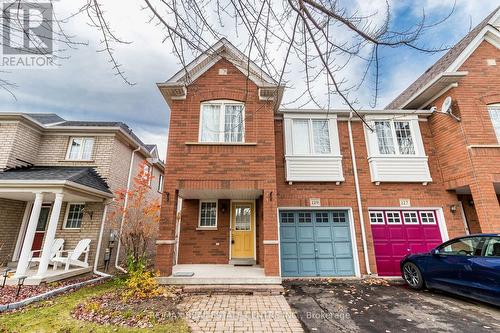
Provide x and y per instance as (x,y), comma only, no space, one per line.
(461,166)
(250,166)
(383,195)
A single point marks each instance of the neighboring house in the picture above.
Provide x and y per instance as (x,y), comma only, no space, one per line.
(56,179)
(305,193)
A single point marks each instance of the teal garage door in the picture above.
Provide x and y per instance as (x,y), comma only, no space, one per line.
(315,243)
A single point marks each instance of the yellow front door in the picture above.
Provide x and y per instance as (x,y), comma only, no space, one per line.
(242,229)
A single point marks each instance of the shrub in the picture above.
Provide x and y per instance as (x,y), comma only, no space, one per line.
(141,284)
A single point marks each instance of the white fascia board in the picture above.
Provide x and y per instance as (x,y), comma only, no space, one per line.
(49,185)
(346,112)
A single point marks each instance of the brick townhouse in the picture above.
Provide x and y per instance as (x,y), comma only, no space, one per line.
(306,193)
(57,178)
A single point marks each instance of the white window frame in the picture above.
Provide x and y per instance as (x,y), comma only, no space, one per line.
(200,227)
(394,212)
(160,183)
(378,215)
(372,138)
(495,108)
(408,212)
(289,118)
(80,153)
(69,204)
(427,212)
(222,119)
(148,173)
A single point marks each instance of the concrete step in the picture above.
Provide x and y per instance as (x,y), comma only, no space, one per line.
(236,289)
(242,262)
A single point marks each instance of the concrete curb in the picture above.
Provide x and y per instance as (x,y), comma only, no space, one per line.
(17,305)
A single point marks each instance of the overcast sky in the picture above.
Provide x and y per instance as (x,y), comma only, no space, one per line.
(84,87)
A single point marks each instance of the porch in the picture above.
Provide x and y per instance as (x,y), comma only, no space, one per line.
(218,274)
(33,279)
(49,217)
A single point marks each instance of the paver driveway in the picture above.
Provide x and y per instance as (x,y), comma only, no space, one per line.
(239,313)
(355,306)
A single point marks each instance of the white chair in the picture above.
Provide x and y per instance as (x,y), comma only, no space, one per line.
(73,256)
(56,247)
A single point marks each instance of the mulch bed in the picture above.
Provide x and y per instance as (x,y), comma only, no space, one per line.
(8,293)
(112,308)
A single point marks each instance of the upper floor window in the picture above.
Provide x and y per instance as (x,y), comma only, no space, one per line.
(80,148)
(148,173)
(494,110)
(394,137)
(311,137)
(222,121)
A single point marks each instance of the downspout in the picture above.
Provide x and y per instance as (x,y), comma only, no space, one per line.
(125,203)
(358,197)
(99,242)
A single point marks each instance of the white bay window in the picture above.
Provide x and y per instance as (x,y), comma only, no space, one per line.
(396,150)
(312,150)
(222,122)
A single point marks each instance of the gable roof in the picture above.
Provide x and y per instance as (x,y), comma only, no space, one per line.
(46,118)
(81,175)
(176,86)
(443,72)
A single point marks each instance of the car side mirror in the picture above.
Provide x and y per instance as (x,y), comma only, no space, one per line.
(435,252)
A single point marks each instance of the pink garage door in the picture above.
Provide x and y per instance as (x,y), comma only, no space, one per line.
(398,232)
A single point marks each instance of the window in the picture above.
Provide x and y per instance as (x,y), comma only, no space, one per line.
(242,218)
(495,118)
(376,218)
(311,137)
(160,183)
(80,148)
(222,122)
(287,218)
(492,247)
(427,218)
(74,216)
(394,138)
(470,246)
(321,217)
(305,217)
(410,217)
(148,173)
(208,214)
(393,218)
(339,217)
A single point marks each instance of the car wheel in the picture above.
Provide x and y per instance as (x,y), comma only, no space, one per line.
(413,276)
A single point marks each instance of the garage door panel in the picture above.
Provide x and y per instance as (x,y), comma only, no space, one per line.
(289,250)
(307,267)
(289,267)
(306,250)
(341,234)
(322,243)
(397,233)
(343,250)
(415,233)
(326,267)
(288,233)
(323,233)
(324,250)
(305,234)
(345,266)
(432,233)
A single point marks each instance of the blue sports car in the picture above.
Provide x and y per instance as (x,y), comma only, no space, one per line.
(468,266)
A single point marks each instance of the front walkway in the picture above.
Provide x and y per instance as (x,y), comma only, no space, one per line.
(239,313)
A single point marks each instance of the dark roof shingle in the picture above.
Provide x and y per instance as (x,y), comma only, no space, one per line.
(46,118)
(81,175)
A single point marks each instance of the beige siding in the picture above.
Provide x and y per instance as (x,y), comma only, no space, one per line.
(53,149)
(11,216)
(8,131)
(26,145)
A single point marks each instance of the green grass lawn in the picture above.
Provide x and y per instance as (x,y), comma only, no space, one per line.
(54,316)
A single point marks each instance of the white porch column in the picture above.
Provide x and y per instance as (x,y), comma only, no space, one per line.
(50,234)
(24,258)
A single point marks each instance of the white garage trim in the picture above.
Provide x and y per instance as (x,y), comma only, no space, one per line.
(354,246)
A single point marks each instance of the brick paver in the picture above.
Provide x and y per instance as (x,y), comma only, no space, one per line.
(239,313)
